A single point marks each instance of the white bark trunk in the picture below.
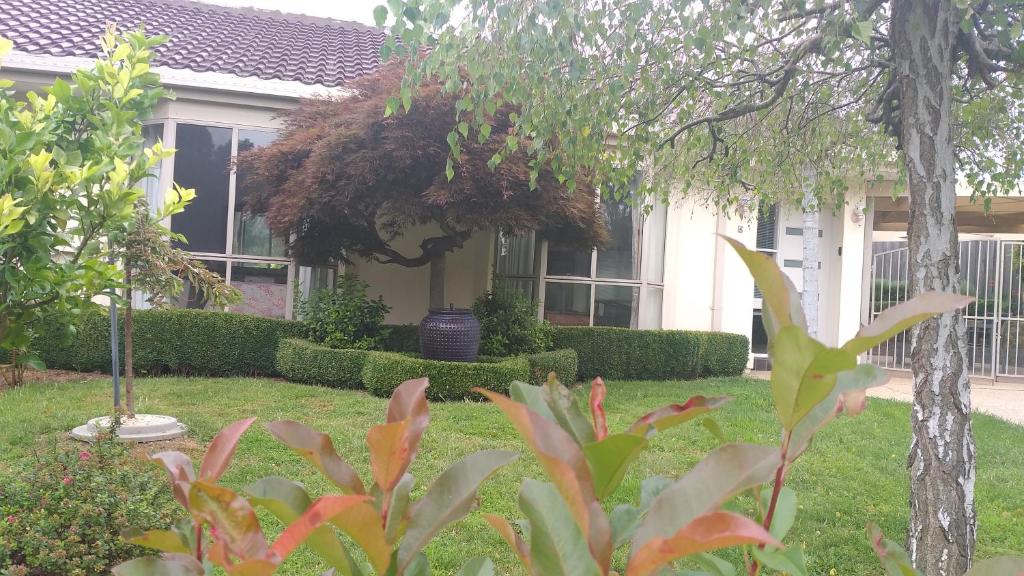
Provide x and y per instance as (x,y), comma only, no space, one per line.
(942,460)
(811,252)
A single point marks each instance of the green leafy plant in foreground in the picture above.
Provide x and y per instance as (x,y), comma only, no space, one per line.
(381,519)
(568,532)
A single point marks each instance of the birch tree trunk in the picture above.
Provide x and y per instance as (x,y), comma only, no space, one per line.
(942,469)
(811,251)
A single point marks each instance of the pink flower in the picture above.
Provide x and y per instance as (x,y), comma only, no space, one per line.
(67,480)
(84,455)
(11,519)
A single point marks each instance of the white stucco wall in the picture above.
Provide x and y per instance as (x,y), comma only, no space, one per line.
(406,290)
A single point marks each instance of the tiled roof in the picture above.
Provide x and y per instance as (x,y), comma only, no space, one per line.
(204,37)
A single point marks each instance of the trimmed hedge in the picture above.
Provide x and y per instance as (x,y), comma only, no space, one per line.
(309,363)
(384,371)
(562,362)
(171,340)
(625,354)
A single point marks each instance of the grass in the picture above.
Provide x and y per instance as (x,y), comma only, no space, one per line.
(854,474)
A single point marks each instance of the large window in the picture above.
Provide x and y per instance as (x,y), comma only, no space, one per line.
(620,284)
(219,230)
(768,244)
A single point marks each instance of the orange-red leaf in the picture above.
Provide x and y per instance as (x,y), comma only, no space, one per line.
(390,453)
(675,414)
(218,455)
(232,517)
(512,538)
(364,524)
(597,394)
(182,473)
(318,449)
(409,403)
(706,533)
(321,511)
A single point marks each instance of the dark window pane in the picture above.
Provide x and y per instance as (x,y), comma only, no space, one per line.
(190,297)
(567,304)
(264,288)
(616,306)
(251,235)
(567,261)
(202,162)
(758,335)
(516,254)
(768,228)
(620,257)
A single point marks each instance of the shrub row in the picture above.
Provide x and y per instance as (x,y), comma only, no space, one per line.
(171,340)
(625,354)
(381,372)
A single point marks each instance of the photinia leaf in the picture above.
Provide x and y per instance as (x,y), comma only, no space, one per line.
(182,473)
(237,528)
(479,566)
(390,453)
(512,538)
(287,500)
(609,460)
(363,524)
(409,402)
(785,510)
(320,512)
(849,382)
(725,472)
(777,292)
(904,315)
(163,565)
(557,545)
(708,532)
(318,449)
(675,414)
(397,519)
(893,556)
(789,561)
(162,540)
(222,448)
(598,391)
(532,396)
(448,499)
(420,566)
(624,520)
(999,566)
(566,411)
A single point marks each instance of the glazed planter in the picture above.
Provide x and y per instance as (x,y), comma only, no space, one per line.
(451,334)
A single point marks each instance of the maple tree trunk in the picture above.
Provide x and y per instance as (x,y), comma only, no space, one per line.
(129,348)
(942,456)
(437,281)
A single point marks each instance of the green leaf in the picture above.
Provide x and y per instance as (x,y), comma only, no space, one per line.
(904,315)
(893,556)
(164,565)
(675,414)
(848,384)
(714,565)
(162,540)
(803,373)
(533,397)
(557,546)
(785,510)
(448,499)
(998,566)
(789,561)
(479,566)
(862,31)
(419,566)
(449,169)
(624,519)
(380,15)
(232,516)
(567,412)
(722,474)
(779,297)
(318,449)
(394,526)
(609,459)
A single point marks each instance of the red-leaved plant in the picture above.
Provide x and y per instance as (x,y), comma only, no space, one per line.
(567,531)
(222,529)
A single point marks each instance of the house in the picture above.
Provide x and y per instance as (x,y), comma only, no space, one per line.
(235,69)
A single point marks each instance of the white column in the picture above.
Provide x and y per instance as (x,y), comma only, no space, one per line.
(856,239)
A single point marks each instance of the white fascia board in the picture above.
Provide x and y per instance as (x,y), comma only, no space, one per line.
(171,77)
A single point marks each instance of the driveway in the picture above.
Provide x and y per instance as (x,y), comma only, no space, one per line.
(1003,400)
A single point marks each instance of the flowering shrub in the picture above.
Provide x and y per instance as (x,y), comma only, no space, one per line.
(63,515)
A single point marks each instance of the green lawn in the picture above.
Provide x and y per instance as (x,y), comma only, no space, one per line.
(854,474)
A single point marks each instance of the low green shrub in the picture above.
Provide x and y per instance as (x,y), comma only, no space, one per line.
(309,363)
(64,513)
(402,338)
(624,354)
(171,340)
(345,317)
(563,363)
(385,371)
(509,325)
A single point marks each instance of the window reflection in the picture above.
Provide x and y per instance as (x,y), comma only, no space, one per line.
(616,306)
(619,259)
(567,304)
(251,235)
(264,288)
(202,161)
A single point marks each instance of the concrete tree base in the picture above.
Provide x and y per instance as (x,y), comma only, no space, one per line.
(141,428)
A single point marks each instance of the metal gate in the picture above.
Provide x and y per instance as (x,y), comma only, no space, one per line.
(991,271)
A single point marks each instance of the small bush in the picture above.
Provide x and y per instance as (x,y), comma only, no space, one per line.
(385,371)
(171,340)
(624,354)
(402,338)
(345,317)
(309,363)
(562,362)
(64,514)
(509,325)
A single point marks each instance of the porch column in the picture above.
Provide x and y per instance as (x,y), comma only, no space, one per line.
(855,263)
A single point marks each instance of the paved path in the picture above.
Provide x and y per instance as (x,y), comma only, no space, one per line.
(1004,400)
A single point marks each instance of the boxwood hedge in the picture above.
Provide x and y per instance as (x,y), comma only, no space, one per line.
(625,354)
(384,371)
(309,363)
(562,362)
